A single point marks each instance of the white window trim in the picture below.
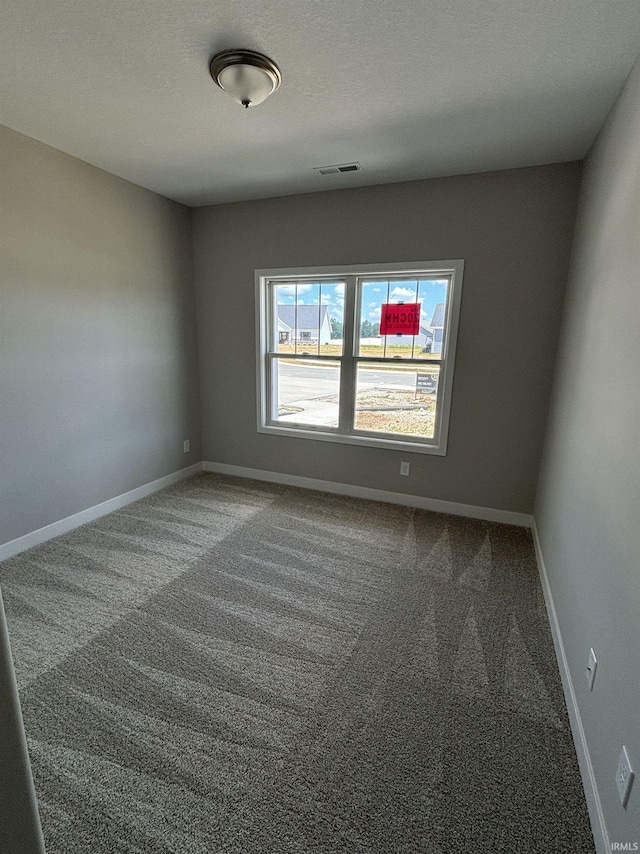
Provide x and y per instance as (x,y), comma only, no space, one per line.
(437,445)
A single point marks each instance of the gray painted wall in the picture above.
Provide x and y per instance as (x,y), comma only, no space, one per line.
(513,229)
(588,506)
(98,363)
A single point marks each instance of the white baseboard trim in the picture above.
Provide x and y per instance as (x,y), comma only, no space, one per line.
(14,547)
(592,796)
(489,514)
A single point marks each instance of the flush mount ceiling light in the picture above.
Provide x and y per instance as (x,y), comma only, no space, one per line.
(248,77)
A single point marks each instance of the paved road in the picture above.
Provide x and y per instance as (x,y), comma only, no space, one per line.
(303,381)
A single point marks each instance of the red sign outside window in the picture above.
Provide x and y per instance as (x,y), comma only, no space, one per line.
(400,319)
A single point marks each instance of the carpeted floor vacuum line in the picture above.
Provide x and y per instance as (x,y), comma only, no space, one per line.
(233,667)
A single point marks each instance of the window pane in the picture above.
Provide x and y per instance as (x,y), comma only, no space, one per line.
(396,399)
(430,294)
(307,392)
(307,318)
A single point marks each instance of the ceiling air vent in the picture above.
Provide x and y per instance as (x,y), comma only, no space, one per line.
(335,170)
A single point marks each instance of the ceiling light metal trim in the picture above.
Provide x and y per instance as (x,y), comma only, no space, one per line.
(239,88)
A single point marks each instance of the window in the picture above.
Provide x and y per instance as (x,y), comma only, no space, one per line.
(361,355)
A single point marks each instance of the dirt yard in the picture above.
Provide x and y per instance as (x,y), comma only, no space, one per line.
(394,411)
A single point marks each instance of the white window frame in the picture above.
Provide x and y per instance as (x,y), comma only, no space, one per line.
(452,270)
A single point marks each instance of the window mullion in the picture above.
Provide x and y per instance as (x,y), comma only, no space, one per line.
(271,386)
(347,371)
(416,363)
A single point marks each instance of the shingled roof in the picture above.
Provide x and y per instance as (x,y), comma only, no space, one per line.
(307,315)
(438,316)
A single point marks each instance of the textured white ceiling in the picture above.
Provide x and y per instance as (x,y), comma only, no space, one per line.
(411,90)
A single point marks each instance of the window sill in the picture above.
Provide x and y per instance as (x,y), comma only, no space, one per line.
(364,441)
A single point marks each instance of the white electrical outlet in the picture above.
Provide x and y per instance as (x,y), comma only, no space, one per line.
(404,469)
(186,445)
(624,776)
(592,665)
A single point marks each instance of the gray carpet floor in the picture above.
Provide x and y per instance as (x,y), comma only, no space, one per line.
(233,667)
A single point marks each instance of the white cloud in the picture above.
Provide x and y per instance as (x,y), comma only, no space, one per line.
(374,305)
(290,290)
(402,293)
(377,290)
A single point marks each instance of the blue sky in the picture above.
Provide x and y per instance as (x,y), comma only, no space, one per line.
(429,293)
